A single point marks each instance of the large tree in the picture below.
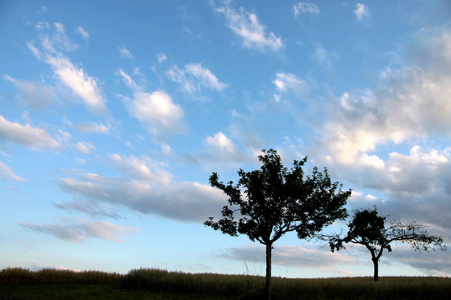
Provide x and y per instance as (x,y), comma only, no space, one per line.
(369,229)
(267,203)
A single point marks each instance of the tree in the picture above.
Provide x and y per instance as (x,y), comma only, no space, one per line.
(276,201)
(369,229)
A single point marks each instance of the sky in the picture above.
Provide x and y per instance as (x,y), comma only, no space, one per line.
(113,115)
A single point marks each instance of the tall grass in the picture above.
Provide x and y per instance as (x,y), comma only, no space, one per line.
(216,286)
(53,276)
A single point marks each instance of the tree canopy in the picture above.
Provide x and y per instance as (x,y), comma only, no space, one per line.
(267,203)
(369,229)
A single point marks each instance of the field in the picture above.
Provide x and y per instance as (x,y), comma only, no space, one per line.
(17,283)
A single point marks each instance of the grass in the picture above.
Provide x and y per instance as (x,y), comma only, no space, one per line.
(18,283)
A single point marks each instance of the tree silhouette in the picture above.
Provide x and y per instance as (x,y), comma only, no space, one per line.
(369,229)
(275,201)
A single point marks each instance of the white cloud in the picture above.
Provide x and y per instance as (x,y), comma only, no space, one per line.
(125,53)
(411,102)
(220,142)
(289,82)
(60,39)
(26,135)
(161,57)
(128,81)
(362,12)
(93,127)
(157,111)
(81,230)
(194,77)
(6,173)
(71,76)
(83,33)
(79,82)
(137,191)
(249,29)
(306,8)
(143,169)
(85,147)
(34,50)
(220,148)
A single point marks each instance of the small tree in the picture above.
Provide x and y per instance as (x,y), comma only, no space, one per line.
(369,229)
(276,201)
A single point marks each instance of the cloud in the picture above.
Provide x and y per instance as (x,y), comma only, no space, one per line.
(94,209)
(36,95)
(219,151)
(305,8)
(143,169)
(79,82)
(81,230)
(161,57)
(324,57)
(154,110)
(85,147)
(285,82)
(91,127)
(294,256)
(82,32)
(71,76)
(125,53)
(157,112)
(59,39)
(34,50)
(26,135)
(6,173)
(248,28)
(362,12)
(410,103)
(180,201)
(434,263)
(194,77)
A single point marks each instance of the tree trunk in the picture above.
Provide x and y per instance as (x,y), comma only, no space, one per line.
(376,268)
(268,271)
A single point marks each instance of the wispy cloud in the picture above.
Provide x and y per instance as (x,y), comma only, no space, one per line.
(79,82)
(6,173)
(82,32)
(247,26)
(125,53)
(91,127)
(26,135)
(161,57)
(194,77)
(362,12)
(81,230)
(305,8)
(71,76)
(35,95)
(140,191)
(285,82)
(325,58)
(85,147)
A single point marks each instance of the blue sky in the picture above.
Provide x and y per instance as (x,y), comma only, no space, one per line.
(113,114)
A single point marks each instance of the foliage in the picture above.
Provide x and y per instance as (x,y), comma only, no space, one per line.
(275,201)
(369,229)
